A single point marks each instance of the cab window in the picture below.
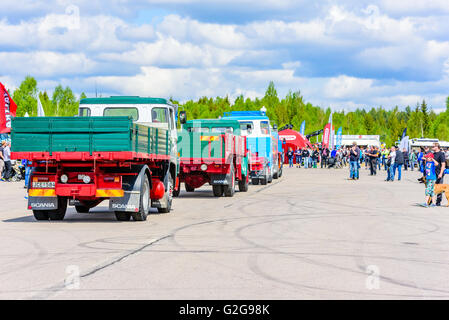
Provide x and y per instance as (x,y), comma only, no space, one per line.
(223,129)
(198,129)
(159,115)
(127,112)
(265,127)
(84,112)
(246,127)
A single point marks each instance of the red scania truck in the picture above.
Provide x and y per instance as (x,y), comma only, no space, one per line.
(213,151)
(121,149)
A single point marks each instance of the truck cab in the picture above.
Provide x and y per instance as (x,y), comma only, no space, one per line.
(213,151)
(255,125)
(157,112)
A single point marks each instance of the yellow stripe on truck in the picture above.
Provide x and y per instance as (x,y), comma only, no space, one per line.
(109,193)
(42,193)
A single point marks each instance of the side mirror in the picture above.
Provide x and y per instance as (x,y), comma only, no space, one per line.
(275,126)
(182,117)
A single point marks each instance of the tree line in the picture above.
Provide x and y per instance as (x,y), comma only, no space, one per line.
(420,120)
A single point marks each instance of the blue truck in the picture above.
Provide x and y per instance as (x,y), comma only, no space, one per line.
(263,144)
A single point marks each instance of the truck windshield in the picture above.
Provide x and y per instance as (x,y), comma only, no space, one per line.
(130,112)
(246,127)
(223,130)
(265,127)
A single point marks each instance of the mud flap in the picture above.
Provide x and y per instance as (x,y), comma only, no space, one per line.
(220,179)
(162,203)
(130,202)
(43,203)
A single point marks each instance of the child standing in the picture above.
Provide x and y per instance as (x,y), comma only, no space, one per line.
(431,177)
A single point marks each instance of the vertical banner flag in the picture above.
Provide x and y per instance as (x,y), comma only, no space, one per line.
(326,135)
(403,134)
(40,108)
(339,137)
(7,110)
(302,130)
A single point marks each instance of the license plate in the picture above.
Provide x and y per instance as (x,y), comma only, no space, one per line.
(44,185)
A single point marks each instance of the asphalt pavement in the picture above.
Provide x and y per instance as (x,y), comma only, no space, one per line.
(312,234)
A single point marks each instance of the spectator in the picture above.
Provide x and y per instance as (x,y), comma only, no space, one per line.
(334,153)
(290,157)
(398,162)
(373,156)
(385,153)
(431,176)
(406,159)
(390,164)
(315,156)
(305,155)
(440,166)
(298,157)
(413,158)
(354,155)
(324,156)
(2,162)
(7,159)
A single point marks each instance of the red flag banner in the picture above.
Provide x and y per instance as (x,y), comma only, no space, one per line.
(326,135)
(7,110)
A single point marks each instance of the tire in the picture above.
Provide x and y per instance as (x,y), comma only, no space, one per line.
(58,214)
(122,215)
(169,196)
(270,179)
(263,181)
(218,190)
(189,188)
(280,172)
(82,209)
(275,175)
(144,206)
(229,190)
(40,215)
(255,181)
(243,184)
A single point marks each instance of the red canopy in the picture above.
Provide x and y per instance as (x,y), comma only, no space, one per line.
(293,140)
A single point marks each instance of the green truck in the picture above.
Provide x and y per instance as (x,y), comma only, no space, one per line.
(121,149)
(213,151)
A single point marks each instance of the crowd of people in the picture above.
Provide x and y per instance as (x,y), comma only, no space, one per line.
(10,170)
(433,164)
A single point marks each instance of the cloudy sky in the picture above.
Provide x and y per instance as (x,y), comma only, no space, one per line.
(343,54)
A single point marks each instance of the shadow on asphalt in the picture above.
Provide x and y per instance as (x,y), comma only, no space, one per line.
(101,216)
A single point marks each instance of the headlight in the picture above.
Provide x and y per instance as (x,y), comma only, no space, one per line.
(86,179)
(64,178)
(204,167)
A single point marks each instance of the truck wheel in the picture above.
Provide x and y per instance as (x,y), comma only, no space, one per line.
(189,188)
(270,179)
(40,214)
(59,213)
(275,175)
(122,215)
(169,196)
(280,172)
(144,206)
(229,190)
(82,209)
(255,181)
(243,184)
(218,190)
(263,181)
